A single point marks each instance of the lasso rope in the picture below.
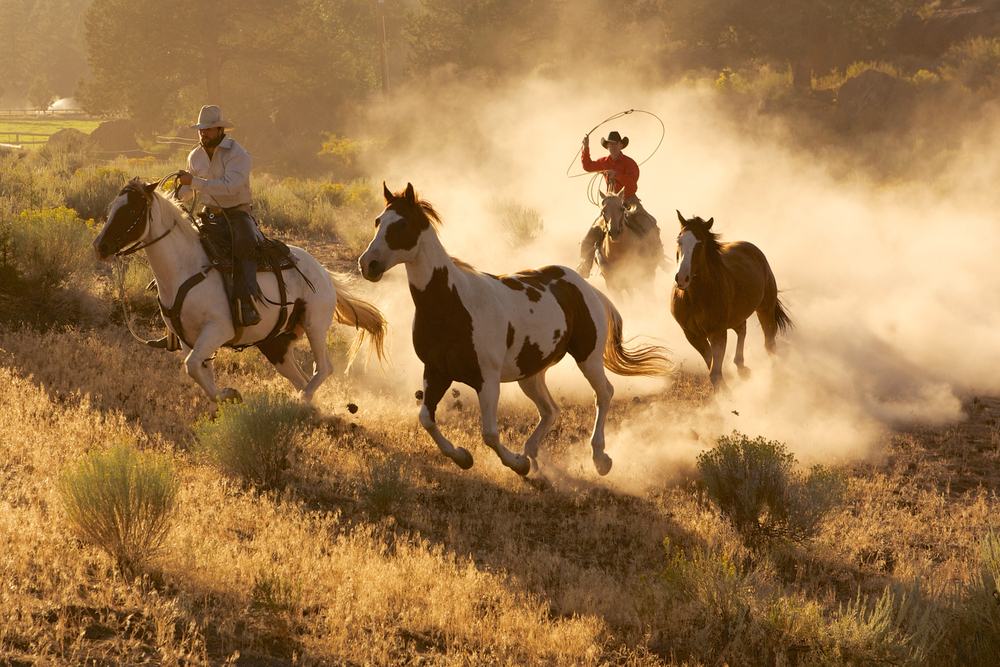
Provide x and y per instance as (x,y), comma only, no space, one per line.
(596,176)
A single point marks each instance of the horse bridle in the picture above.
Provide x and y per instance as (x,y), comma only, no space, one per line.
(145,213)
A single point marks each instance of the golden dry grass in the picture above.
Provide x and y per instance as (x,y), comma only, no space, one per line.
(475,567)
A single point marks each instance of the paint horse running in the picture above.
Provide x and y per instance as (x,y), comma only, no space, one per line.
(717,287)
(200,315)
(482,330)
(625,257)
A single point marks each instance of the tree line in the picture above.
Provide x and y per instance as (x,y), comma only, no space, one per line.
(155,62)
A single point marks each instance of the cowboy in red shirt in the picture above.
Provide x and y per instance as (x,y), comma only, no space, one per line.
(620,171)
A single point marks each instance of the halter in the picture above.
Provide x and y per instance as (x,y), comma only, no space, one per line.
(148,214)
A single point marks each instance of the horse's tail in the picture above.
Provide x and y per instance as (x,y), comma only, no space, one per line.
(365,317)
(781,319)
(643,360)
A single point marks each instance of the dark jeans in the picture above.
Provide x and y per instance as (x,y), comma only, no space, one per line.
(244,240)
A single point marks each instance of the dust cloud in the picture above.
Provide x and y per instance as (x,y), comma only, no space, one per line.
(892,289)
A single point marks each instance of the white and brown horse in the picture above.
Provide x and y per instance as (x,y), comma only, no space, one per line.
(718,286)
(482,330)
(200,314)
(624,257)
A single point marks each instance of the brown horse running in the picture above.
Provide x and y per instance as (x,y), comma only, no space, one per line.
(717,287)
(625,258)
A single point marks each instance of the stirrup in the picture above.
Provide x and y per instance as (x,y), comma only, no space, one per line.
(249,315)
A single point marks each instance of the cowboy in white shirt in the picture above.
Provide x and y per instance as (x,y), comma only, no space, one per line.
(219,170)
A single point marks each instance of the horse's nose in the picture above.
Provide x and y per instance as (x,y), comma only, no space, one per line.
(99,249)
(374,271)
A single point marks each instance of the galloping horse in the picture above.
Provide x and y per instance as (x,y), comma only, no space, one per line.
(200,314)
(624,257)
(482,330)
(717,287)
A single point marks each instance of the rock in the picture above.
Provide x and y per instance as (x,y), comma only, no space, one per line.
(115,136)
(870,99)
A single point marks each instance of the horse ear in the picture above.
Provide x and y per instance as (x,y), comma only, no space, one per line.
(680,217)
(386,193)
(148,189)
(708,225)
(410,196)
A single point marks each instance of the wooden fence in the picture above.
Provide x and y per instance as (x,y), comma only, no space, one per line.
(5,138)
(39,113)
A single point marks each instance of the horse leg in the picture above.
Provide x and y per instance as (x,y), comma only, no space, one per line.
(718,342)
(434,388)
(741,334)
(316,329)
(199,367)
(281,353)
(701,344)
(489,398)
(770,329)
(291,370)
(548,414)
(593,369)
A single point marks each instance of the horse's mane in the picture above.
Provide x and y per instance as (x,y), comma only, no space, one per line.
(423,207)
(170,206)
(464,266)
(713,247)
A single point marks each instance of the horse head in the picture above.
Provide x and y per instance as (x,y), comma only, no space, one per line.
(613,210)
(694,239)
(128,219)
(397,232)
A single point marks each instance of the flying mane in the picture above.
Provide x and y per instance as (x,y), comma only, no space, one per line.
(713,248)
(423,207)
(428,211)
(171,208)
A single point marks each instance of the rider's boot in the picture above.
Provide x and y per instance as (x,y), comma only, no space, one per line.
(248,314)
(170,343)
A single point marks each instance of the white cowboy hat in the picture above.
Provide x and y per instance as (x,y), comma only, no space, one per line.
(211,116)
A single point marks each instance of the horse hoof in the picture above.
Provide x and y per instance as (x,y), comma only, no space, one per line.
(521,465)
(462,458)
(744,372)
(603,463)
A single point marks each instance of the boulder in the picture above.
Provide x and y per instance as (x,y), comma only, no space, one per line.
(115,136)
(870,99)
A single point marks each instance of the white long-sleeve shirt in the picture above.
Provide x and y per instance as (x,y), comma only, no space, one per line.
(222,181)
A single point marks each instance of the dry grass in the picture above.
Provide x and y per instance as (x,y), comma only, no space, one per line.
(472,567)
(418,562)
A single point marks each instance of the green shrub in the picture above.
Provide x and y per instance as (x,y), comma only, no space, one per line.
(898,628)
(21,188)
(521,225)
(974,64)
(91,189)
(121,501)
(52,247)
(274,593)
(973,632)
(65,155)
(754,486)
(255,439)
(385,483)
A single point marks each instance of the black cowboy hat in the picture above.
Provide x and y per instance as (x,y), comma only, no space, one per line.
(614,136)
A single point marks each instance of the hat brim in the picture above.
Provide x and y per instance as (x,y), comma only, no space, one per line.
(624,142)
(225,124)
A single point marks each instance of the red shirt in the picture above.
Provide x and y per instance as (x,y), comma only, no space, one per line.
(627,170)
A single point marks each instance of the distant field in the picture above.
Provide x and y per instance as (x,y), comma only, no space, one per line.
(10,128)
